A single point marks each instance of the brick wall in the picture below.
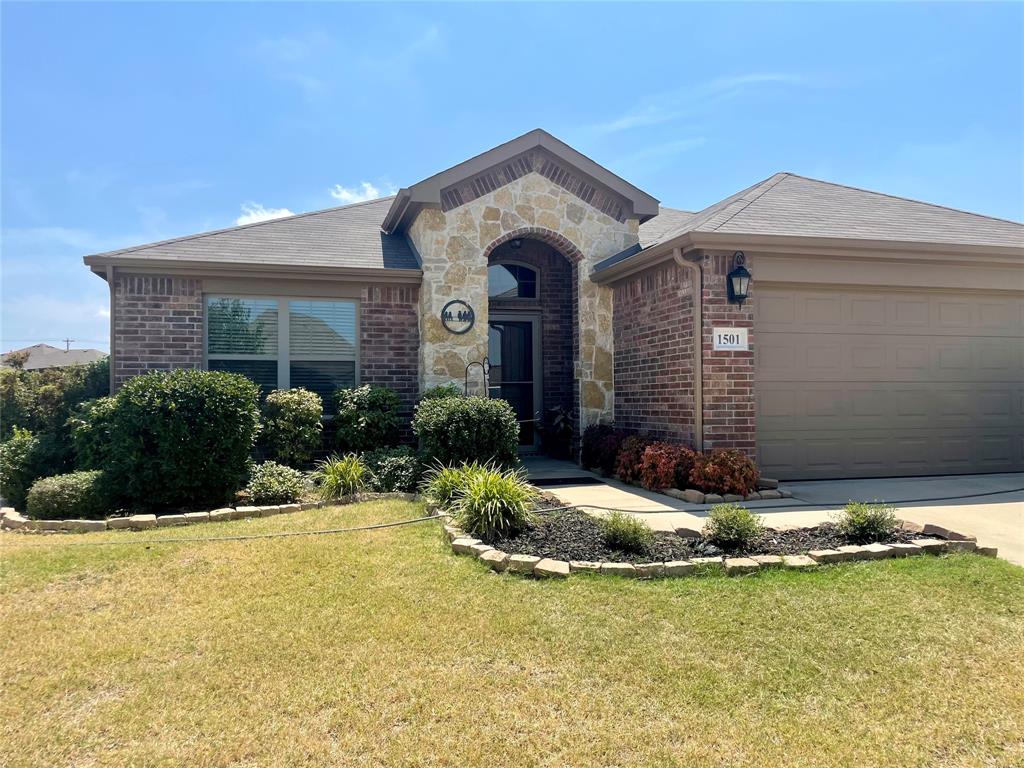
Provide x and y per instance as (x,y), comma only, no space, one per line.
(653,326)
(729,416)
(158,324)
(389,340)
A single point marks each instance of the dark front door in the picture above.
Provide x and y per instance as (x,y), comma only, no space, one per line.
(515,370)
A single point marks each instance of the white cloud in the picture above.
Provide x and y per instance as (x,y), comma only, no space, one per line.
(255,212)
(363,191)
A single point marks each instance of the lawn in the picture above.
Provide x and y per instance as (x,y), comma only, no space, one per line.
(382,648)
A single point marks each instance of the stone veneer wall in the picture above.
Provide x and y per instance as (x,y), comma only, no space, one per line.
(453,247)
(158,324)
(654,338)
(730,420)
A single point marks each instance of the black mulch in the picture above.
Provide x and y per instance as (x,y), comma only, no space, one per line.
(575,535)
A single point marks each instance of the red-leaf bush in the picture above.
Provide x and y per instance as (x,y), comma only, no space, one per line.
(631,453)
(599,447)
(666,465)
(724,471)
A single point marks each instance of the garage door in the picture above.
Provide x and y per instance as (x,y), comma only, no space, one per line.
(874,383)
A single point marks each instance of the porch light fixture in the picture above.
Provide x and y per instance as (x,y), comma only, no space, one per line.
(738,281)
(516,244)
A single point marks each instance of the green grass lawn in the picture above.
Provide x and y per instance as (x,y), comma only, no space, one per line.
(383,649)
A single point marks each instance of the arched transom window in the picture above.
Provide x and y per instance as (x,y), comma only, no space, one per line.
(511,281)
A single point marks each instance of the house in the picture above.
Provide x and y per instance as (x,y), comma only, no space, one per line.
(880,337)
(44,356)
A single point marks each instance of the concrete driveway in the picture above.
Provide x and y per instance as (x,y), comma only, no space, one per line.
(990,507)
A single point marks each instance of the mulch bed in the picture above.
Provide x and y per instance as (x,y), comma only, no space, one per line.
(575,535)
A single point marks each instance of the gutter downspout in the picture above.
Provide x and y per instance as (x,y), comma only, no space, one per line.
(697,295)
(113,309)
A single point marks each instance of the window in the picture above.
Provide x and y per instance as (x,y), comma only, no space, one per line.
(511,281)
(283,343)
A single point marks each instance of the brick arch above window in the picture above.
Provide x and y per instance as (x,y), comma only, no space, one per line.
(559,242)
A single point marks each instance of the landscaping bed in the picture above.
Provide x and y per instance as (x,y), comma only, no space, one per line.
(575,535)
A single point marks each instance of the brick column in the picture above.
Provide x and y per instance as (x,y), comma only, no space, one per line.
(389,341)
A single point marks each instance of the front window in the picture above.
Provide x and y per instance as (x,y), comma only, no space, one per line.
(284,343)
(511,281)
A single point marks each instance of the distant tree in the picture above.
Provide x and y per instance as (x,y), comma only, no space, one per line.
(232,324)
(17,359)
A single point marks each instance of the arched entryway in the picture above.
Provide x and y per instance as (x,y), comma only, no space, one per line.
(533,338)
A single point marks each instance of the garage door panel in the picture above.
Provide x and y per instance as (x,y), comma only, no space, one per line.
(888,382)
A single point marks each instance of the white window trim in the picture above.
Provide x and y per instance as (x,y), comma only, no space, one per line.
(284,358)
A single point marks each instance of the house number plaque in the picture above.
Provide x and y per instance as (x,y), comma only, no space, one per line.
(734,339)
(457,316)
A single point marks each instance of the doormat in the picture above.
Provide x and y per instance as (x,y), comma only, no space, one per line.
(548,482)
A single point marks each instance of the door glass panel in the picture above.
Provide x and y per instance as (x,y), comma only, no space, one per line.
(511,355)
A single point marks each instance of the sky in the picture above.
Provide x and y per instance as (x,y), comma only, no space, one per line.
(122,124)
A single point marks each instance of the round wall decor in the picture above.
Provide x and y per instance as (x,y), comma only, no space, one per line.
(457,316)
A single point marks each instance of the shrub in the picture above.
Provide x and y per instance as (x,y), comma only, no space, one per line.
(43,400)
(340,476)
(731,527)
(626,533)
(367,418)
(455,430)
(182,438)
(666,465)
(594,447)
(556,431)
(628,462)
(866,523)
(77,495)
(494,502)
(291,425)
(91,433)
(724,471)
(18,466)
(273,483)
(441,391)
(441,484)
(393,469)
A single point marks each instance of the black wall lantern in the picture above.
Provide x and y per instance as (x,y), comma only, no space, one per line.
(738,281)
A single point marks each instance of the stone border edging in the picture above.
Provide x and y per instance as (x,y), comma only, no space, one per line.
(527,565)
(766,490)
(14,521)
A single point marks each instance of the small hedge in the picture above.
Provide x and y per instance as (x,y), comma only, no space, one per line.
(599,447)
(666,465)
(732,527)
(367,418)
(456,430)
(273,483)
(74,496)
(865,523)
(291,426)
(182,438)
(724,471)
(393,469)
(630,459)
(441,391)
(91,433)
(18,466)
(626,533)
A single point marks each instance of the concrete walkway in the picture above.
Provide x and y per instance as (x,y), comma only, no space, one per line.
(990,507)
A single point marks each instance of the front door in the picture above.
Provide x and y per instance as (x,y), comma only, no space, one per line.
(514,352)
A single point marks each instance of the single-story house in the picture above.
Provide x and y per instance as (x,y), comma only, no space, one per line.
(829,331)
(40,356)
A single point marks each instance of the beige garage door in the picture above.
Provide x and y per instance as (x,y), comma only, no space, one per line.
(873,383)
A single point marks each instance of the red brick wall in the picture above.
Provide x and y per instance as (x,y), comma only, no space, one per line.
(729,417)
(389,340)
(158,324)
(653,329)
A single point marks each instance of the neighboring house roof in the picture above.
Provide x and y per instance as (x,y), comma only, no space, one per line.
(45,356)
(342,238)
(787,205)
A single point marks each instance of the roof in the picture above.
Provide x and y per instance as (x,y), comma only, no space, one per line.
(788,205)
(348,237)
(496,166)
(46,356)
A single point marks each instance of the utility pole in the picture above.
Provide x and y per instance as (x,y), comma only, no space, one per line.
(67,344)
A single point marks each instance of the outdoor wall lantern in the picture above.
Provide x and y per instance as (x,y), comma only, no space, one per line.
(738,281)
(516,244)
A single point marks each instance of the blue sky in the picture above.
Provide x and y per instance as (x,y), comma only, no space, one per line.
(124,124)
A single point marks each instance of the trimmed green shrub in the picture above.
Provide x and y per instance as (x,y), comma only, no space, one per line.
(341,476)
(182,438)
(494,502)
(91,433)
(666,465)
(273,483)
(18,466)
(393,469)
(43,400)
(441,391)
(626,533)
(629,462)
(732,527)
(455,430)
(367,418)
(291,425)
(867,523)
(74,496)
(724,471)
(441,484)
